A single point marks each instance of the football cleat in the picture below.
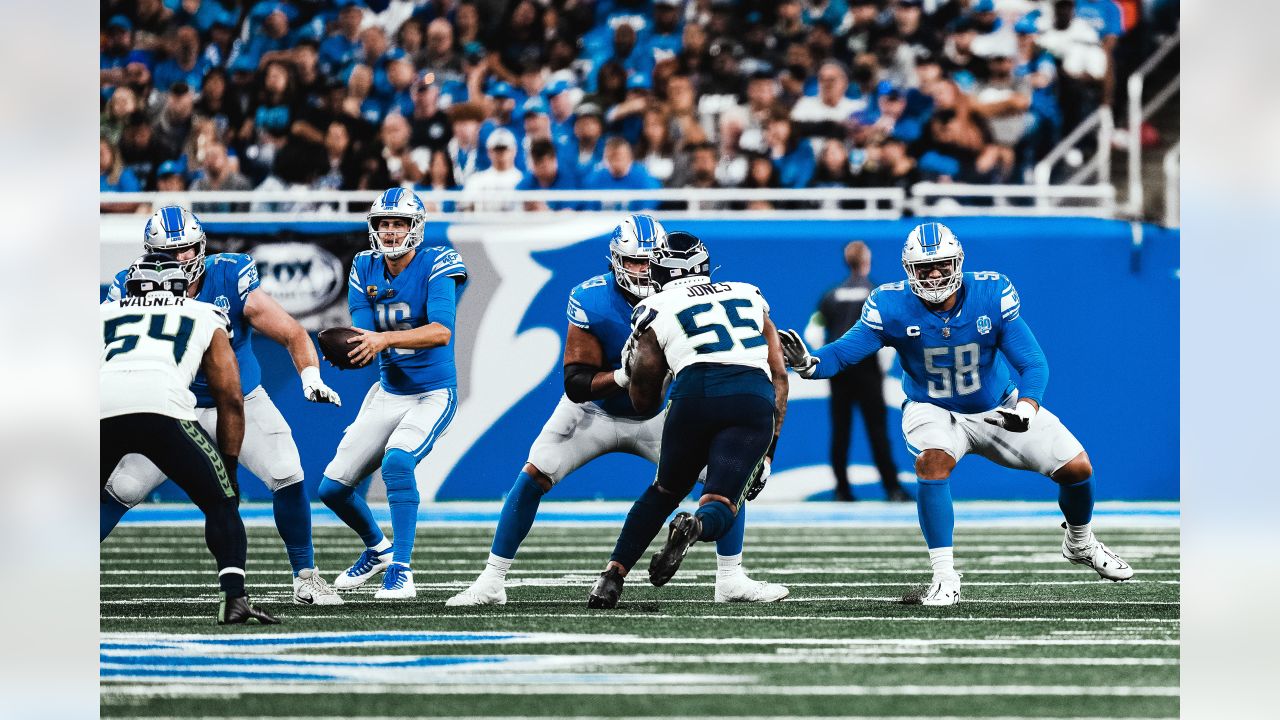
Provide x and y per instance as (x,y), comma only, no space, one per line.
(740,588)
(1097,556)
(682,533)
(311,589)
(483,591)
(238,611)
(397,584)
(944,590)
(605,593)
(369,563)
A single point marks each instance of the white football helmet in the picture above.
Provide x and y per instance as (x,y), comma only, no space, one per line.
(927,245)
(635,239)
(401,203)
(172,230)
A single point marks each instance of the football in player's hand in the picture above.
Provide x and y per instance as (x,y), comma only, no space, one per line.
(334,345)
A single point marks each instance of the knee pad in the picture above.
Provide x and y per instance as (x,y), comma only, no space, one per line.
(332,491)
(277,485)
(398,473)
(128,490)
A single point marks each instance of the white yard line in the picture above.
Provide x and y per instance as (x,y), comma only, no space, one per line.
(510,688)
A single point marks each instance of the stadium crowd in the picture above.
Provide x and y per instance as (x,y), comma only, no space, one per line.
(478,95)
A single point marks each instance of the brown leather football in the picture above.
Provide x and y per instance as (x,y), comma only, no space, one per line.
(334,346)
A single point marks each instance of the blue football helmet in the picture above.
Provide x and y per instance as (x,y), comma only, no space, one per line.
(928,245)
(635,239)
(398,203)
(173,230)
(683,256)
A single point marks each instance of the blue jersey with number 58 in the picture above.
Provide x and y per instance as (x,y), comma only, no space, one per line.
(424,292)
(949,359)
(227,281)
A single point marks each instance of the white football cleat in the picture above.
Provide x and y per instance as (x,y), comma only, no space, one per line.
(369,563)
(944,590)
(1099,557)
(397,584)
(740,588)
(311,589)
(484,591)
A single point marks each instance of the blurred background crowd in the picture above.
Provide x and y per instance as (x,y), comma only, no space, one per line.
(483,95)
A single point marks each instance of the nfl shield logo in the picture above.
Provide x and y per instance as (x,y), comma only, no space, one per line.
(984,325)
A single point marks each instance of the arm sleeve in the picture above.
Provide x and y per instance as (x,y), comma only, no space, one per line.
(850,349)
(441,301)
(1019,345)
(358,302)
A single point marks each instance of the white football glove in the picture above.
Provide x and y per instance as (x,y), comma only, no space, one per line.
(757,482)
(797,354)
(622,376)
(1016,420)
(314,389)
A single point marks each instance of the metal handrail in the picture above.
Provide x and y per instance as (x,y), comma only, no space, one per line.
(1101,119)
(1172,194)
(1138,113)
(336,206)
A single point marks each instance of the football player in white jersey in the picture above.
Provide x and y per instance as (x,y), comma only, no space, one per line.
(726,406)
(595,417)
(154,342)
(230,281)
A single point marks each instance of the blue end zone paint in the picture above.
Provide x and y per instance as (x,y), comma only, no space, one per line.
(1163,514)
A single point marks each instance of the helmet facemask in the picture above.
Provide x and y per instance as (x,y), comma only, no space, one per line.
(635,282)
(935,289)
(412,237)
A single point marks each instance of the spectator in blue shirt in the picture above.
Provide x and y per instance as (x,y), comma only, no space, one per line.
(116,49)
(504,116)
(560,101)
(545,173)
(113,176)
(665,38)
(341,48)
(224,47)
(792,154)
(186,65)
(588,134)
(537,126)
(620,172)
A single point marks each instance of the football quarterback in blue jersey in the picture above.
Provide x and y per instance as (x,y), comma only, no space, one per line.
(595,417)
(230,282)
(947,326)
(403,301)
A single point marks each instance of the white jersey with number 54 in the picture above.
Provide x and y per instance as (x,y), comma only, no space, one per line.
(152,348)
(699,321)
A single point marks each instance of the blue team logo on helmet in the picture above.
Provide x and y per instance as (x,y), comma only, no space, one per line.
(635,239)
(397,203)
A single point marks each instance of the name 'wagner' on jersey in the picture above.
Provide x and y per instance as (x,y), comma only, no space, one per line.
(152,349)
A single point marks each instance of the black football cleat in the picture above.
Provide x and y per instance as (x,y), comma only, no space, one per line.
(605,593)
(237,611)
(843,495)
(897,494)
(683,532)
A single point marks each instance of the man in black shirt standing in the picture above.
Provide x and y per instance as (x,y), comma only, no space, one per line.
(860,385)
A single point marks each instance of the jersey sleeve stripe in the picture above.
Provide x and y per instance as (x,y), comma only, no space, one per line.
(454,270)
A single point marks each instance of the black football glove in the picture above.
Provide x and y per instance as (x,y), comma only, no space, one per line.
(797,354)
(1017,420)
(759,479)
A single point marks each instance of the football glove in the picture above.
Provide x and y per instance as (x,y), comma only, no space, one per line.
(314,389)
(796,354)
(622,376)
(760,478)
(1016,420)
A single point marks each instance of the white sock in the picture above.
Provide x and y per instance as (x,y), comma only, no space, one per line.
(728,565)
(1079,534)
(497,567)
(383,547)
(943,560)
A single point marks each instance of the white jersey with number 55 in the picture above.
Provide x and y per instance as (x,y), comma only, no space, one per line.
(152,349)
(699,321)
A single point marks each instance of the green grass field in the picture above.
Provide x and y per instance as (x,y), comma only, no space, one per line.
(1033,637)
